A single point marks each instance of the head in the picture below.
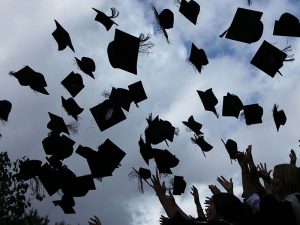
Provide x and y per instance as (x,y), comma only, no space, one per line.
(285,180)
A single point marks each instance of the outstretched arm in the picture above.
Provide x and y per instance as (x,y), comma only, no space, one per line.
(195,194)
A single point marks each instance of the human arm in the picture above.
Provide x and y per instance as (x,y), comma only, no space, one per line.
(293,157)
(195,194)
(94,221)
(227,185)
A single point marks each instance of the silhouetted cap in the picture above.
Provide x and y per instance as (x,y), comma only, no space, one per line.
(253,114)
(231,147)
(164,160)
(80,186)
(106,20)
(198,58)
(287,25)
(123,51)
(59,146)
(179,185)
(28,169)
(144,173)
(159,130)
(165,20)
(49,178)
(86,65)
(190,10)
(232,105)
(62,37)
(57,124)
(269,59)
(199,140)
(71,106)
(106,114)
(5,108)
(28,77)
(246,26)
(209,100)
(193,125)
(66,203)
(279,117)
(121,98)
(145,150)
(137,92)
(73,83)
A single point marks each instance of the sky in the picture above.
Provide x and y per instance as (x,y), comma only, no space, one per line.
(171,85)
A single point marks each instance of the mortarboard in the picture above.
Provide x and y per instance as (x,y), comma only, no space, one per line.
(72,108)
(287,25)
(245,27)
(73,83)
(28,169)
(231,147)
(158,130)
(50,179)
(66,203)
(81,186)
(209,100)
(106,20)
(165,20)
(253,114)
(5,108)
(86,65)
(123,51)
(57,124)
(164,160)
(199,140)
(137,92)
(28,77)
(193,125)
(179,185)
(142,175)
(232,105)
(145,150)
(106,114)
(190,10)
(121,98)
(198,58)
(269,59)
(279,117)
(62,37)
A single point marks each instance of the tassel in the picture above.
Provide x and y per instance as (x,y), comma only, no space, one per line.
(145,44)
(114,13)
(73,127)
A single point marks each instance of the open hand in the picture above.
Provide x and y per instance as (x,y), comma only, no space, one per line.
(160,189)
(214,189)
(195,194)
(227,185)
(262,170)
(94,221)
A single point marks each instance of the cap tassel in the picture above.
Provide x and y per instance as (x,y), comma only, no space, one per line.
(158,23)
(223,34)
(145,44)
(73,127)
(135,174)
(114,14)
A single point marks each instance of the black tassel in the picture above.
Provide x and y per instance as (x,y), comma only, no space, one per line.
(145,44)
(114,13)
(73,127)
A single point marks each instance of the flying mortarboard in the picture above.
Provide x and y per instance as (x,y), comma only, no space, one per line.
(62,37)
(123,51)
(232,105)
(165,20)
(164,160)
(72,108)
(86,65)
(66,203)
(82,185)
(179,185)
(269,59)
(231,147)
(287,25)
(73,83)
(28,169)
(57,124)
(209,100)
(145,150)
(245,27)
(279,117)
(199,140)
(253,114)
(106,20)
(28,77)
(49,178)
(137,92)
(193,125)
(198,58)
(190,10)
(5,108)
(121,98)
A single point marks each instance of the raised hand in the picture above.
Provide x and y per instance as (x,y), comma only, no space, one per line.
(195,194)
(262,170)
(227,185)
(160,189)
(94,221)
(293,157)
(214,190)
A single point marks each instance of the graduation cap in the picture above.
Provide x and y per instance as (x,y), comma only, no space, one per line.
(190,10)
(73,83)
(28,77)
(62,37)
(72,108)
(50,178)
(232,105)
(279,116)
(158,130)
(269,59)
(245,27)
(86,65)
(231,147)
(106,20)
(66,203)
(82,185)
(193,125)
(164,160)
(57,124)
(179,185)
(5,108)
(121,98)
(137,92)
(28,169)
(209,100)
(123,51)
(253,114)
(198,58)
(145,150)
(165,20)
(287,25)
(142,175)
(107,114)
(199,140)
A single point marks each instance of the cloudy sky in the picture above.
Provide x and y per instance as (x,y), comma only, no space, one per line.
(170,83)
